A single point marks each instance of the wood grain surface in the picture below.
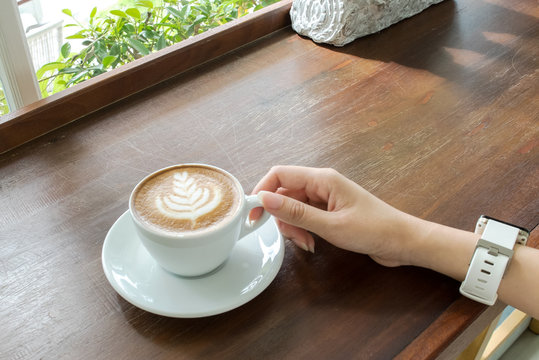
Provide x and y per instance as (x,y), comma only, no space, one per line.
(437,115)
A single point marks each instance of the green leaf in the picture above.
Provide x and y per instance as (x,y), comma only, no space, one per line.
(65,50)
(165,20)
(161,43)
(94,11)
(100,49)
(76,36)
(71,70)
(175,12)
(49,67)
(185,11)
(144,3)
(205,10)
(43,88)
(119,13)
(109,60)
(67,12)
(95,68)
(115,49)
(77,77)
(58,85)
(129,28)
(148,34)
(199,19)
(134,13)
(190,30)
(52,66)
(68,25)
(180,37)
(139,46)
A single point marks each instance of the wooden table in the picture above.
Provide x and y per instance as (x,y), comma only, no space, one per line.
(437,115)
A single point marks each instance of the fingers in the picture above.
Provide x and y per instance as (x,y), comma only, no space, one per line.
(272,182)
(313,182)
(295,213)
(295,194)
(302,200)
(299,195)
(298,236)
(291,177)
(255,214)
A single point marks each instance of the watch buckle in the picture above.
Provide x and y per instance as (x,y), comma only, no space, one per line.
(494,249)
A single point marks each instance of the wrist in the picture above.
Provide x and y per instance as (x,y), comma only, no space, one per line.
(411,245)
(441,248)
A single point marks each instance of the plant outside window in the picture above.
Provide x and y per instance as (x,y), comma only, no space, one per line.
(120,36)
(4,109)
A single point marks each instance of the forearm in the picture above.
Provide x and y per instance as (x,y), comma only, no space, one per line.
(449,251)
(520,285)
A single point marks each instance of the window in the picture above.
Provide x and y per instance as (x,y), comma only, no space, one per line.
(70,42)
(43,28)
(47,114)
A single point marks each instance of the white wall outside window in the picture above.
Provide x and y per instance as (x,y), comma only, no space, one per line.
(16,67)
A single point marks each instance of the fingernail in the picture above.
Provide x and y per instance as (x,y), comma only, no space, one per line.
(311,248)
(270,200)
(300,244)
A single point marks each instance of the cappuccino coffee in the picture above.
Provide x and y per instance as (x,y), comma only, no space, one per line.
(186,198)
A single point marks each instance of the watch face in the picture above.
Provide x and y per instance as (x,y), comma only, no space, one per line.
(506,223)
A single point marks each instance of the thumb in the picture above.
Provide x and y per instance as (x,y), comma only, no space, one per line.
(293,212)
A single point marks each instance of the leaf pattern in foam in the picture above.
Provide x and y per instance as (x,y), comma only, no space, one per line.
(189,200)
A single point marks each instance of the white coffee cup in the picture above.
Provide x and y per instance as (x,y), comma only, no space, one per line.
(198,252)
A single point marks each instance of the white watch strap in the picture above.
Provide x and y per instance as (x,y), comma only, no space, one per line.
(490,259)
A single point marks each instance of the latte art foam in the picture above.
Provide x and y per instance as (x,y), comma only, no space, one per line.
(189,200)
(186,198)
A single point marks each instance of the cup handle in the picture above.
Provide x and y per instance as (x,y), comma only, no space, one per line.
(251,202)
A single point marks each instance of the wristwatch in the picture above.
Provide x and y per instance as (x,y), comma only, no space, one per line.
(491,258)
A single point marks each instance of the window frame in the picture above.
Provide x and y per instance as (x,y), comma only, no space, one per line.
(16,66)
(45,115)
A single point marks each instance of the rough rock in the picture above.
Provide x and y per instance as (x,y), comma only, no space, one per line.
(339,22)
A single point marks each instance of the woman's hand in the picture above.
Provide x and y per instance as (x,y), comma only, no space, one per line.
(326,203)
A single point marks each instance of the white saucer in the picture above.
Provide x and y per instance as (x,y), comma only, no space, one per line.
(132,272)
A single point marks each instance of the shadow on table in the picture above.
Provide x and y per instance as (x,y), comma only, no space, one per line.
(482,48)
